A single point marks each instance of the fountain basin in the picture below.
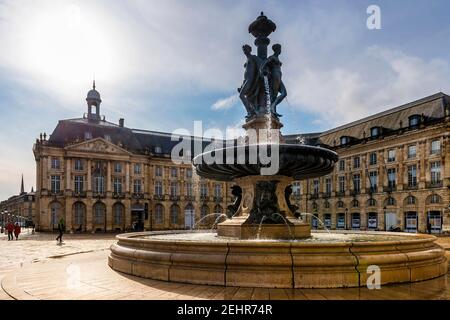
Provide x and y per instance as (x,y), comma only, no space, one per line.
(339,259)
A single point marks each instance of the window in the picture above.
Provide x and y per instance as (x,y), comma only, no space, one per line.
(188,173)
(158,171)
(372,202)
(392,178)
(341,184)
(328,186)
(326,205)
(87,135)
(137,168)
(158,188)
(174,212)
(117,185)
(158,149)
(390,201)
(391,155)
(435,172)
(373,158)
(159,214)
(435,199)
(79,184)
(316,187)
(189,189)
(117,167)
(412,175)
(174,172)
(107,137)
(99,213)
(218,190)
(55,209)
(435,147)
(79,210)
(373,178)
(355,203)
(356,162)
(375,132)
(414,120)
(56,163)
(78,165)
(204,211)
(341,165)
(340,204)
(357,183)
(411,200)
(137,186)
(345,140)
(174,189)
(118,213)
(412,151)
(296,188)
(55,184)
(99,184)
(203,190)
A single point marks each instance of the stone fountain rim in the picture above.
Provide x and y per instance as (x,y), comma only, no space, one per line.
(137,238)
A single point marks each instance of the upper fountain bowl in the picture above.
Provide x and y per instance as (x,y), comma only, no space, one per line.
(296,161)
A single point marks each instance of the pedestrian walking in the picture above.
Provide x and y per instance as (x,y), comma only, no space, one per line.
(17,230)
(10,229)
(61,228)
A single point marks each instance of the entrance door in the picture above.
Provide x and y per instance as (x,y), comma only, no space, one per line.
(340,221)
(435,219)
(356,221)
(189,217)
(327,220)
(315,222)
(372,222)
(391,220)
(411,221)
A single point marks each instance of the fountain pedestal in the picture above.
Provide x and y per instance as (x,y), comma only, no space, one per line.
(264,211)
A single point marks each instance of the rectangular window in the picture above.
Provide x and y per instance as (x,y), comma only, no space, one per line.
(55,184)
(174,189)
(373,159)
(342,165)
(137,186)
(218,190)
(78,165)
(56,163)
(435,147)
(342,184)
(316,187)
(117,185)
(174,172)
(356,162)
(203,190)
(412,175)
(357,183)
(392,179)
(137,168)
(158,188)
(373,177)
(435,172)
(189,189)
(296,188)
(79,184)
(188,173)
(99,184)
(391,155)
(412,151)
(158,171)
(117,167)
(328,188)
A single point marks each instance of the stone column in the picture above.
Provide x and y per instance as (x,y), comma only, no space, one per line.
(89,175)
(89,214)
(68,174)
(68,215)
(127,177)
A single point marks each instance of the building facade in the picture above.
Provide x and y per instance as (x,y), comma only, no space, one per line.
(393,172)
(19,208)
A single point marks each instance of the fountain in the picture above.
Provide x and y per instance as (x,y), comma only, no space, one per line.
(262,243)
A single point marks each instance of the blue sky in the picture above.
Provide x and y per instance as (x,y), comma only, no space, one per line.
(163,64)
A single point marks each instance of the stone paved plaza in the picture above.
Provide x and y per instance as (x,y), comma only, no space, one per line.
(35,267)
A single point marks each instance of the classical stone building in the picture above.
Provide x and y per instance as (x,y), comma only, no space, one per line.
(19,208)
(102,176)
(394,171)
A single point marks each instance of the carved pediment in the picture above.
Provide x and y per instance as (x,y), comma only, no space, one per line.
(98,145)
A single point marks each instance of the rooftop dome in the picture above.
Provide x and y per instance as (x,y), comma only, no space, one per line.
(93,94)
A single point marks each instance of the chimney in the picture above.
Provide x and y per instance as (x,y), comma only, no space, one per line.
(121,122)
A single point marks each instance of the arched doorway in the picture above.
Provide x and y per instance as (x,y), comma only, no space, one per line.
(99,216)
(79,216)
(372,221)
(118,216)
(55,214)
(174,215)
(189,216)
(340,221)
(137,216)
(356,221)
(159,215)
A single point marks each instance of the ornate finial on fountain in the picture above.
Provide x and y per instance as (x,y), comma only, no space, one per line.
(262,89)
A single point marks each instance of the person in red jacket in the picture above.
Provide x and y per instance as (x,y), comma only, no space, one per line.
(10,229)
(17,230)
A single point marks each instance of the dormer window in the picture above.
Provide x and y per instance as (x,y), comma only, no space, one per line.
(158,149)
(414,121)
(345,140)
(88,135)
(375,132)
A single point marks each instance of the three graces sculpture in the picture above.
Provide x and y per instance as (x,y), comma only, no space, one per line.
(262,89)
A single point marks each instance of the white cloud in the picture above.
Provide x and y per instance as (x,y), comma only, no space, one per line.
(225,103)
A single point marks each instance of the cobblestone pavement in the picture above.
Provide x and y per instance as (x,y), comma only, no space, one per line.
(36,267)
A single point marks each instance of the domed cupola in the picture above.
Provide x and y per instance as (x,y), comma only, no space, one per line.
(93,100)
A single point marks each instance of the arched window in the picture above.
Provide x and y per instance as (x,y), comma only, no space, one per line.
(159,214)
(326,204)
(372,202)
(99,213)
(355,203)
(204,211)
(118,212)
(79,213)
(434,199)
(390,201)
(174,213)
(340,204)
(410,200)
(55,209)
(314,206)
